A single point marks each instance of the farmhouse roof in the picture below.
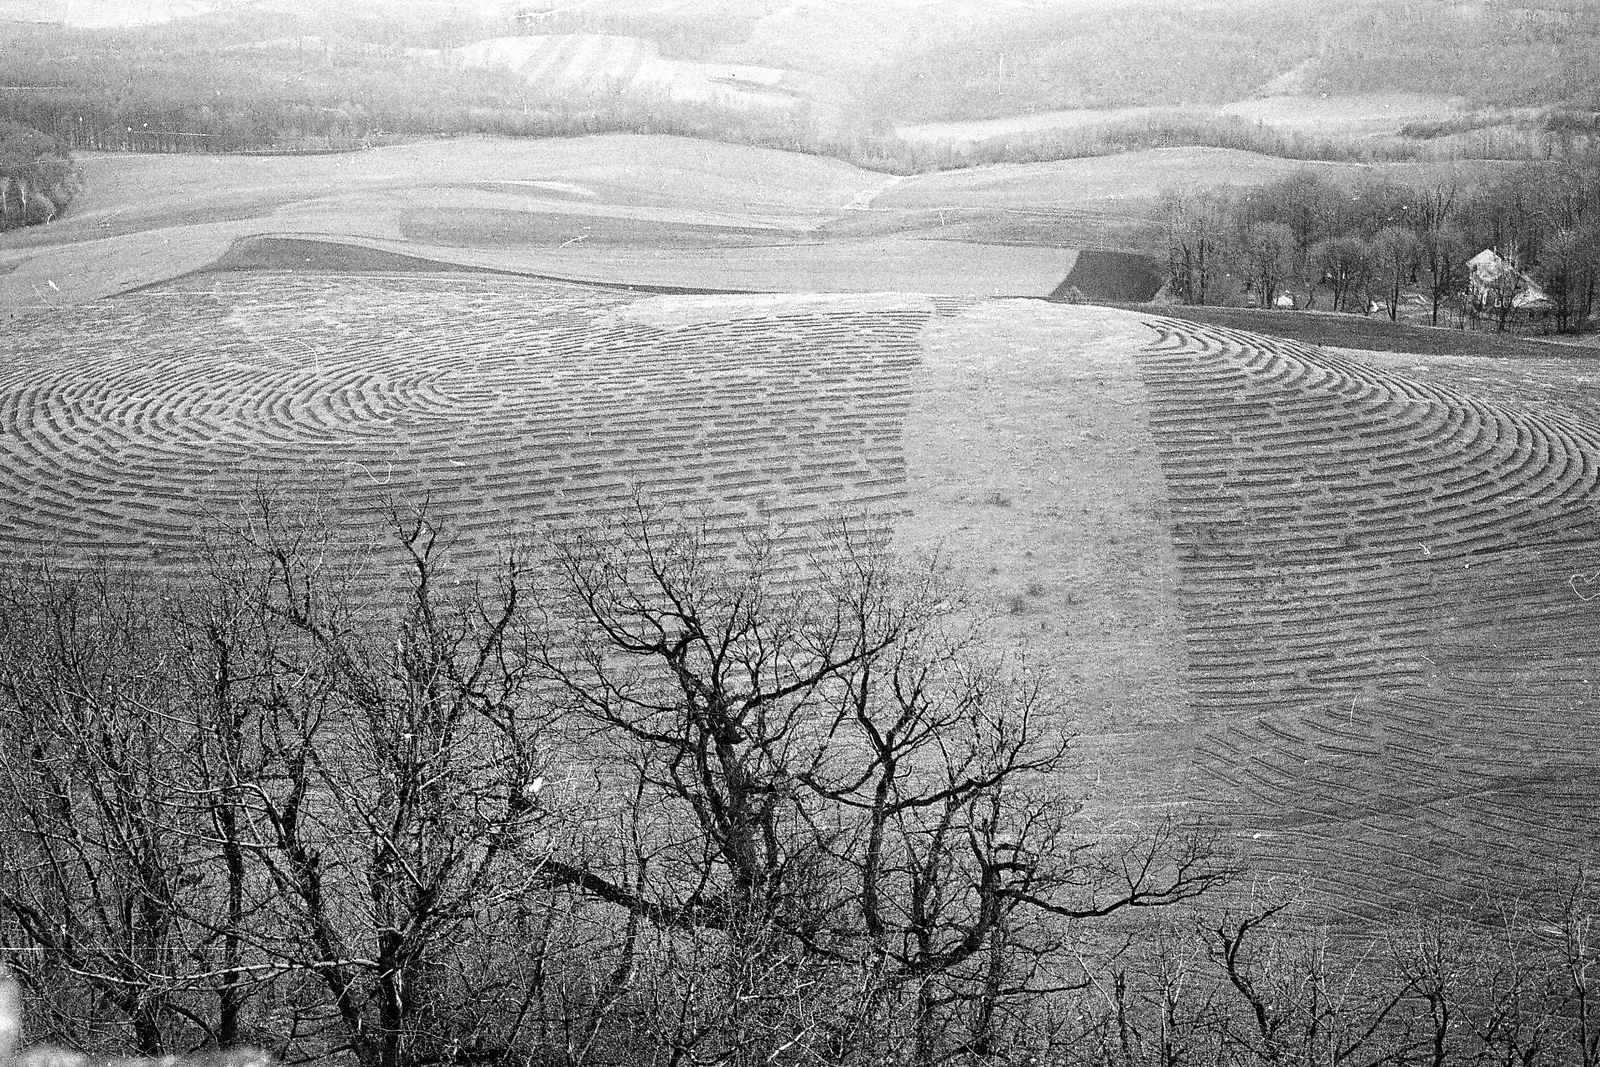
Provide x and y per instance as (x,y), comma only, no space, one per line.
(1489,267)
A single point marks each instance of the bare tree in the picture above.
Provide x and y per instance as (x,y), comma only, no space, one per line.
(1195,228)
(249,788)
(1567,273)
(849,789)
(1443,259)
(99,874)
(395,813)
(1269,258)
(1396,255)
(645,797)
(1345,263)
(1298,999)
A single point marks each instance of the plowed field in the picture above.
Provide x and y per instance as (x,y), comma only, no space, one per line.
(1345,608)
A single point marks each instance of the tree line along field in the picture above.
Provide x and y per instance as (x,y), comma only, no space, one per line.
(1522,248)
(1382,582)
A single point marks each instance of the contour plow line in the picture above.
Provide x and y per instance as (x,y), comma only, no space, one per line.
(1387,640)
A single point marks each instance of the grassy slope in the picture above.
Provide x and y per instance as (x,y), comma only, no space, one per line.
(1032,470)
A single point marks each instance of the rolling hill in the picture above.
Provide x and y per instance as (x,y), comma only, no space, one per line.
(651,210)
(1340,607)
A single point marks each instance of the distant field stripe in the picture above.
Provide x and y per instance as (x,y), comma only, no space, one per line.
(585,65)
(551,60)
(625,61)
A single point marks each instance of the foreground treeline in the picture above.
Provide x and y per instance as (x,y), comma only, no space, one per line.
(640,796)
(633,798)
(1368,245)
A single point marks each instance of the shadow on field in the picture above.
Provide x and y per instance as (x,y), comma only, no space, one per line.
(1102,276)
(298,253)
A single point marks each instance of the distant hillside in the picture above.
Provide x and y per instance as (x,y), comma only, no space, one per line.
(1155,53)
(101,13)
(831,77)
(609,63)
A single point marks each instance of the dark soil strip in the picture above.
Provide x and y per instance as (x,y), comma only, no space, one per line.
(1098,275)
(296,253)
(331,257)
(1375,334)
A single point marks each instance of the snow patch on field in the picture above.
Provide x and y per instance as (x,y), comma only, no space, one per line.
(677,311)
(604,62)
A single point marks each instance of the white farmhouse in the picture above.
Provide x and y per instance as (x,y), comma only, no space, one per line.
(1492,279)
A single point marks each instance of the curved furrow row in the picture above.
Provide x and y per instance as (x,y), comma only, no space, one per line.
(508,403)
(1391,591)
(1314,498)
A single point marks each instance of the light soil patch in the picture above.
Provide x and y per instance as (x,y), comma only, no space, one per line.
(1033,474)
(903,265)
(472,211)
(1072,183)
(1362,115)
(658,171)
(975,130)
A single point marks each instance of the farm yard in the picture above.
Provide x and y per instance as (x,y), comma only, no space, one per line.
(1337,605)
